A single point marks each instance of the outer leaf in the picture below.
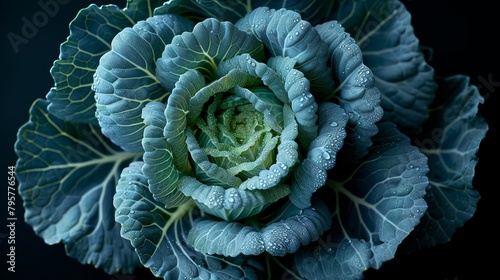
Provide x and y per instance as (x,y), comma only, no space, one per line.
(340,260)
(294,229)
(314,11)
(389,47)
(378,203)
(67,176)
(159,235)
(451,142)
(357,93)
(126,78)
(203,49)
(91,32)
(198,10)
(233,10)
(285,34)
(141,9)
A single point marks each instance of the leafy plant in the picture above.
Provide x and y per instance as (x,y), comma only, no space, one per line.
(246,139)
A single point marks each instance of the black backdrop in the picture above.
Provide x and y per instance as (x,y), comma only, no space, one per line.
(464,41)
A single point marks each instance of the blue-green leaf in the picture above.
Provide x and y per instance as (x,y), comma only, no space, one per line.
(158,158)
(451,142)
(286,158)
(176,112)
(389,47)
(356,91)
(294,229)
(233,10)
(284,33)
(230,203)
(67,176)
(210,171)
(141,9)
(266,73)
(377,204)
(225,83)
(159,234)
(313,11)
(198,10)
(91,32)
(311,174)
(126,77)
(342,260)
(209,43)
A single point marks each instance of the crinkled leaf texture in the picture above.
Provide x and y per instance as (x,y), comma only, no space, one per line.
(389,47)
(67,176)
(296,227)
(141,103)
(356,91)
(91,32)
(377,204)
(159,234)
(450,141)
(126,78)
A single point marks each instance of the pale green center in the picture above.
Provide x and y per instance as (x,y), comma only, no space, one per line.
(236,137)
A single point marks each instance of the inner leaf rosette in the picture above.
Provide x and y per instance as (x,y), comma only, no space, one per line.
(235,126)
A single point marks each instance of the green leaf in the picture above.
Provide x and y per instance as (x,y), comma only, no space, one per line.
(376,205)
(210,172)
(450,141)
(295,228)
(389,47)
(356,91)
(286,158)
(287,85)
(67,176)
(126,78)
(91,32)
(209,43)
(158,234)
(284,33)
(225,83)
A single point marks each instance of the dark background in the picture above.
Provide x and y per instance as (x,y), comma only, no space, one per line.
(464,41)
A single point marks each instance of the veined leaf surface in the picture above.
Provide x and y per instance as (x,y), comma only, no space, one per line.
(67,176)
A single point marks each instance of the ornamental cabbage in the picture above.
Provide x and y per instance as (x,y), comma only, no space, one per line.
(248,140)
